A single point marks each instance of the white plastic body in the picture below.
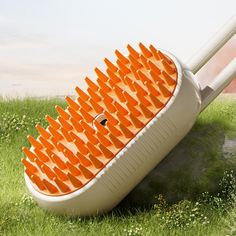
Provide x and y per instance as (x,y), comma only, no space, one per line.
(135,160)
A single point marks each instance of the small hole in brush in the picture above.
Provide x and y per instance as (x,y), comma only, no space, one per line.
(101,118)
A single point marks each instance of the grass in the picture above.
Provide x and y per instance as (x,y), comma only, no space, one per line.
(169,201)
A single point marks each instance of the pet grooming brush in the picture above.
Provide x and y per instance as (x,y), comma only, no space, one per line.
(110,137)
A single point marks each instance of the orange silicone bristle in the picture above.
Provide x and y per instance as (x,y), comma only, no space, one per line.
(101,121)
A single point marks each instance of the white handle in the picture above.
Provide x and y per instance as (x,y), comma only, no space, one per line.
(212,46)
(210,92)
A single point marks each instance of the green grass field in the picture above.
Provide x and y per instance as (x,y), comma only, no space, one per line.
(194,198)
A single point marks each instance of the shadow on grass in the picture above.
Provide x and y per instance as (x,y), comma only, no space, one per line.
(194,166)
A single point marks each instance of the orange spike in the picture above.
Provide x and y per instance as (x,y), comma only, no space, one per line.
(38,182)
(34,142)
(119,93)
(65,124)
(62,186)
(81,93)
(154,68)
(135,62)
(106,152)
(133,110)
(87,127)
(122,58)
(71,156)
(91,137)
(84,105)
(76,125)
(168,68)
(110,65)
(111,119)
(52,122)
(123,67)
(130,99)
(114,78)
(123,119)
(103,86)
(55,143)
(156,77)
(42,131)
(55,133)
(61,146)
(91,84)
(168,78)
(29,166)
(143,100)
(110,107)
(43,157)
(147,113)
(96,106)
(39,163)
(45,143)
(164,90)
(49,153)
(101,75)
(94,150)
(100,128)
(83,160)
(103,139)
(120,108)
(29,154)
(72,103)
(117,143)
(151,89)
(143,77)
(106,96)
(47,170)
(133,52)
(66,134)
(129,82)
(96,163)
(80,146)
(51,188)
(75,182)
(113,129)
(121,74)
(75,137)
(62,112)
(137,123)
(58,161)
(126,131)
(94,96)
(134,72)
(162,56)
(86,172)
(158,104)
(144,62)
(145,50)
(73,169)
(86,115)
(154,52)
(139,89)
(29,173)
(60,174)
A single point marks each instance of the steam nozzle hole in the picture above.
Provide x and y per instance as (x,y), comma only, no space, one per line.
(101,118)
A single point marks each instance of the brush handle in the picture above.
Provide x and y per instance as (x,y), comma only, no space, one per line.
(212,46)
(210,92)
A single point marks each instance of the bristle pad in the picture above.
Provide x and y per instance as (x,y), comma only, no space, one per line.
(101,121)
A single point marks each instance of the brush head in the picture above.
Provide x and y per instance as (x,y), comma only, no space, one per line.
(96,126)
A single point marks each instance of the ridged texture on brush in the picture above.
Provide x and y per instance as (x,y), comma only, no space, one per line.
(89,133)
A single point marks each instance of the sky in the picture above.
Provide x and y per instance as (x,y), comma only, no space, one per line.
(48,47)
